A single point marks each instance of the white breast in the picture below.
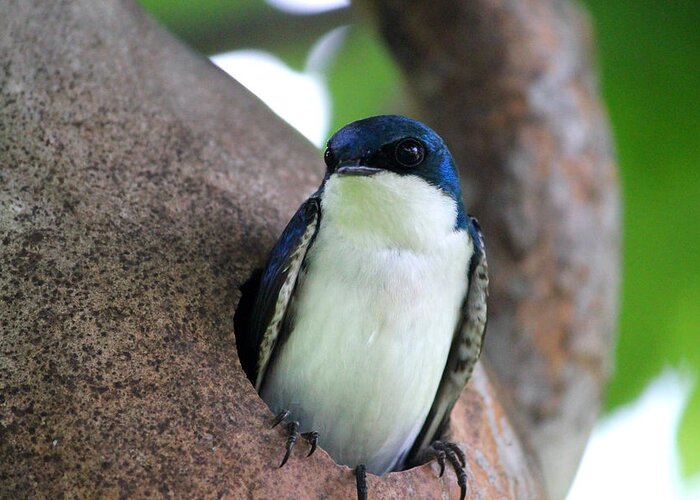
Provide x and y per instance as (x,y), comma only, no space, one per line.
(375,317)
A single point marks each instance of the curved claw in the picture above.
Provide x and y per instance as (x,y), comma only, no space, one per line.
(280,418)
(286,457)
(462,486)
(293,429)
(454,460)
(361,482)
(312,438)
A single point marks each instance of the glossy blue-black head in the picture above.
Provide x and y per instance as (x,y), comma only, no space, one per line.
(396,144)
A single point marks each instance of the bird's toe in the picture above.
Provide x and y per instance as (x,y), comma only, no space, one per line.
(361,482)
(446,451)
(293,435)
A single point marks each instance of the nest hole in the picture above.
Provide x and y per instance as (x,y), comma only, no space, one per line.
(245,343)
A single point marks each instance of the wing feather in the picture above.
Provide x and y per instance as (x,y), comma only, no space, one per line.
(279,279)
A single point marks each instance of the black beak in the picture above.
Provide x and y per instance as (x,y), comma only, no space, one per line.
(353,167)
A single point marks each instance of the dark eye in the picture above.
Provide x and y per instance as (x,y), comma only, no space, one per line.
(409,152)
(328,157)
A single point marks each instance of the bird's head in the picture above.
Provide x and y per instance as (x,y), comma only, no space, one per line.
(390,164)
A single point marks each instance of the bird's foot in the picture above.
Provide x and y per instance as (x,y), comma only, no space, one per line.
(361,482)
(443,451)
(293,435)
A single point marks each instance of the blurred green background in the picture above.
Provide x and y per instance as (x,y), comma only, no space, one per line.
(649,58)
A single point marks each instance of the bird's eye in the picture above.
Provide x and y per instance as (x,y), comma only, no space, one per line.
(328,157)
(409,152)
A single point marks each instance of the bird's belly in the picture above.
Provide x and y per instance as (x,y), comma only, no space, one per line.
(370,341)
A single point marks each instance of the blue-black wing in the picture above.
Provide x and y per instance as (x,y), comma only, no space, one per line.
(466,345)
(278,281)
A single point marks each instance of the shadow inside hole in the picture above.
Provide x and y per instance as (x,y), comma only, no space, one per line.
(245,343)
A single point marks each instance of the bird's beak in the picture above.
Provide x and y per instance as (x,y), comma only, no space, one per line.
(354,168)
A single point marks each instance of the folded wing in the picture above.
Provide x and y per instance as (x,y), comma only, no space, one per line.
(278,282)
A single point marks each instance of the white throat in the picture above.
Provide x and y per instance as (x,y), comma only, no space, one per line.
(389,209)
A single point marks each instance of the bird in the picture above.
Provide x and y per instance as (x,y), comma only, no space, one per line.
(371,308)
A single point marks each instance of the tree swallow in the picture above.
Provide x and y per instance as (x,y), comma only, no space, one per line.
(372,306)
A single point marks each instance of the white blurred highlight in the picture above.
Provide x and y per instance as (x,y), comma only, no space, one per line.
(633,452)
(300,98)
(308,6)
